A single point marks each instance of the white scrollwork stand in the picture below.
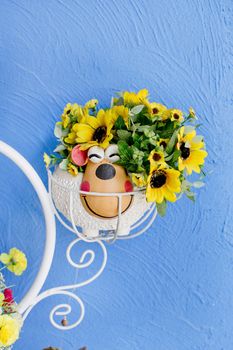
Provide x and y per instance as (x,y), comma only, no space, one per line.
(34,296)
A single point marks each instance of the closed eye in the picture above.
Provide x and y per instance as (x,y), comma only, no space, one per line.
(113,155)
(95,155)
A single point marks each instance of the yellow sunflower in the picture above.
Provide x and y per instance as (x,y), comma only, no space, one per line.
(177,115)
(139,180)
(156,158)
(94,131)
(192,154)
(123,112)
(162,184)
(163,143)
(135,98)
(173,114)
(156,109)
(71,109)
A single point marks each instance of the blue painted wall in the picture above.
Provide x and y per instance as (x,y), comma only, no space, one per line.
(172,288)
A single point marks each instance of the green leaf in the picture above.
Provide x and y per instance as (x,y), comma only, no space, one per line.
(63,164)
(137,109)
(126,153)
(161,208)
(143,128)
(191,195)
(119,102)
(198,184)
(123,134)
(172,142)
(119,123)
(176,155)
(59,148)
(58,130)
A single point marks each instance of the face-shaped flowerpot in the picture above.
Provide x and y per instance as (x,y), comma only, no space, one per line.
(104,176)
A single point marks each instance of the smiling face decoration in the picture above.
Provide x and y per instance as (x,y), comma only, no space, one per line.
(102,175)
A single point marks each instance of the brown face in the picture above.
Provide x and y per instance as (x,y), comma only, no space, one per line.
(102,175)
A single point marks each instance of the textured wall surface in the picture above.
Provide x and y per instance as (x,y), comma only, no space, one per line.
(172,288)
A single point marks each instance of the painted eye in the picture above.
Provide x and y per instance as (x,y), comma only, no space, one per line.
(112,153)
(95,154)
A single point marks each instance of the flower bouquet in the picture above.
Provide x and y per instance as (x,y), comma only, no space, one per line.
(10,320)
(133,144)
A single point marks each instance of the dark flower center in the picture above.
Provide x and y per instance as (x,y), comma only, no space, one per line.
(185,151)
(163,143)
(155,110)
(176,116)
(156,157)
(100,134)
(158,179)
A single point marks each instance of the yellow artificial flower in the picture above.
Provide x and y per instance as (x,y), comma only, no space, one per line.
(173,114)
(9,330)
(163,143)
(192,113)
(139,179)
(91,104)
(65,121)
(156,109)
(72,169)
(192,154)
(123,112)
(156,158)
(2,297)
(95,131)
(162,184)
(71,137)
(71,109)
(177,115)
(135,98)
(47,159)
(15,261)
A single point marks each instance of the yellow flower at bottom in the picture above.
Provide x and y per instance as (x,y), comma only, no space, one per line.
(15,261)
(162,184)
(192,155)
(9,330)
(72,169)
(139,180)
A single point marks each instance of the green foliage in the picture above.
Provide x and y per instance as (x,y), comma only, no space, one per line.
(150,139)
